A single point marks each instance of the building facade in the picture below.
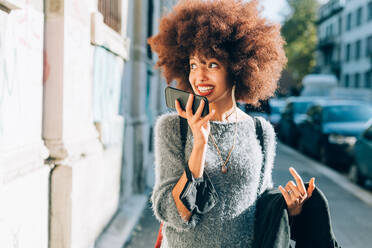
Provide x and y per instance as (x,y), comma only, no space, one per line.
(24,174)
(345,42)
(329,34)
(144,97)
(61,131)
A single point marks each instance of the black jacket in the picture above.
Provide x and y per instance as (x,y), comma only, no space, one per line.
(312,228)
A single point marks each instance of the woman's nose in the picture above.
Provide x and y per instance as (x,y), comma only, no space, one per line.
(201,73)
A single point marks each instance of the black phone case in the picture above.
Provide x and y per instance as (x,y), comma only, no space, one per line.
(171,94)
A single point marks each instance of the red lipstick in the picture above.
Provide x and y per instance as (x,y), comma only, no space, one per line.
(205,93)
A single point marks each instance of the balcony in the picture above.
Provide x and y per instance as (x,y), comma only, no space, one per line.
(330,9)
(327,42)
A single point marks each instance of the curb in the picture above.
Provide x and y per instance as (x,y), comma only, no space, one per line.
(119,229)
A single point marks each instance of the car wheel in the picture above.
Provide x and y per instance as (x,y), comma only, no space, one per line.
(355,176)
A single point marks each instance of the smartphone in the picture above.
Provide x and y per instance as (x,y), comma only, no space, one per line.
(171,94)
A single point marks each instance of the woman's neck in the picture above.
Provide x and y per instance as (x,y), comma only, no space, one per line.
(223,110)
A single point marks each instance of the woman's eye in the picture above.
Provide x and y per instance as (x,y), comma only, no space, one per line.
(192,66)
(213,65)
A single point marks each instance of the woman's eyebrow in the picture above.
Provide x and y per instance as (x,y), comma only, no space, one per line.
(203,61)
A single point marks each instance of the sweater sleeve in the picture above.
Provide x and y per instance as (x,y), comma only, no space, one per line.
(169,167)
(270,151)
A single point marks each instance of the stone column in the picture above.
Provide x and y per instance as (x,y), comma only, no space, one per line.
(136,128)
(77,210)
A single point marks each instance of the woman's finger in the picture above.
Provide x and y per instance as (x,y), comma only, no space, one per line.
(180,112)
(295,193)
(199,110)
(207,118)
(285,194)
(311,187)
(291,195)
(299,181)
(188,108)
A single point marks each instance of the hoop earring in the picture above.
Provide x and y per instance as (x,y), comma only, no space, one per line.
(233,95)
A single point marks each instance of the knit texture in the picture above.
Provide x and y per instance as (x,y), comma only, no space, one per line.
(231,222)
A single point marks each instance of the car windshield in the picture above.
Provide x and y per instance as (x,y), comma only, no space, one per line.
(301,107)
(347,113)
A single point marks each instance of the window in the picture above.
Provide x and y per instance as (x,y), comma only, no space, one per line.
(327,57)
(356,80)
(368,79)
(150,17)
(339,25)
(369,46)
(369,11)
(347,78)
(348,50)
(111,11)
(359,17)
(357,49)
(348,21)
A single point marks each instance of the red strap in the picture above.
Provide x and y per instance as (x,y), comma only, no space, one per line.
(160,237)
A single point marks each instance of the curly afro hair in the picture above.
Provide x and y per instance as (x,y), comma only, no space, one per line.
(229,30)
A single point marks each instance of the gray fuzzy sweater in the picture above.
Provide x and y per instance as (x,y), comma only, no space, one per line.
(230,223)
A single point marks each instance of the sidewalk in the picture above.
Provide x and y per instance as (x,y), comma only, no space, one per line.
(350,206)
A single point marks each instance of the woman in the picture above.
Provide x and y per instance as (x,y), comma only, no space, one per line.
(225,51)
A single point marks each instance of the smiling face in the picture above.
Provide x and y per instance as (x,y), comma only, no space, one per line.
(209,78)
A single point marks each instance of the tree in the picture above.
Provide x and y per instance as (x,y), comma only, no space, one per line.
(299,31)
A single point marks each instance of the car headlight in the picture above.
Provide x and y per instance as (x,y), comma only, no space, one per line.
(340,139)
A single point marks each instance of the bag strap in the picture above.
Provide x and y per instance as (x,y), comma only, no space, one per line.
(259,133)
(184,129)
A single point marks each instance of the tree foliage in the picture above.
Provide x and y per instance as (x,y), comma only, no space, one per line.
(299,31)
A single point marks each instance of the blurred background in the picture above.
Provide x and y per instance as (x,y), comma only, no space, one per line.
(79,97)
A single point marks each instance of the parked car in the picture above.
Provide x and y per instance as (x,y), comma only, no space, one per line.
(293,114)
(331,129)
(276,107)
(361,169)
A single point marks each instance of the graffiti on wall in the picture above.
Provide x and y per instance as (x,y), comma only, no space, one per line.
(20,70)
(107,77)
(8,65)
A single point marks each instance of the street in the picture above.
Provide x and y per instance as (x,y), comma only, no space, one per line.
(351,217)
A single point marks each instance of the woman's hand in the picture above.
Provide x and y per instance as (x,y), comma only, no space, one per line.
(296,195)
(200,126)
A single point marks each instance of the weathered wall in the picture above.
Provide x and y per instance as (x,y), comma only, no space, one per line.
(82,126)
(23,175)
(57,89)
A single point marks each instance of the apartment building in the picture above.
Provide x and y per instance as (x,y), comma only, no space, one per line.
(345,42)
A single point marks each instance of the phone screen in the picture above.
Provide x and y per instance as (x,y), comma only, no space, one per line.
(171,94)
